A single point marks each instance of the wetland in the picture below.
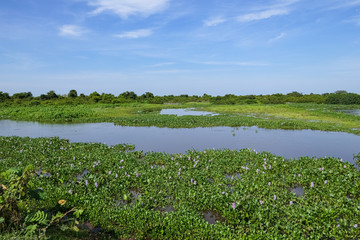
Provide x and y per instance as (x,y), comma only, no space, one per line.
(147,171)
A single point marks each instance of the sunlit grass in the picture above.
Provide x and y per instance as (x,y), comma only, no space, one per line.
(284,116)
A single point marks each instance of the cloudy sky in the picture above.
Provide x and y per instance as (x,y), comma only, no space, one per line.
(180,46)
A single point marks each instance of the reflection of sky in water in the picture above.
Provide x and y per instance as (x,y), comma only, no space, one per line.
(183,112)
(355,112)
(287,143)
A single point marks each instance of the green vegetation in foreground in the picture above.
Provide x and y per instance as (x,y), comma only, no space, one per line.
(125,193)
(274,116)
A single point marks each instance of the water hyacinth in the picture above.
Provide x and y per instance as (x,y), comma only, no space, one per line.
(312,184)
(96,184)
(69,191)
(216,192)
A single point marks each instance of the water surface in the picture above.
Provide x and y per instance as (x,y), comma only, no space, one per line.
(287,143)
(184,112)
(355,112)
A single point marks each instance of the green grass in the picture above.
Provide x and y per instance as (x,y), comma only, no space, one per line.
(282,116)
(329,209)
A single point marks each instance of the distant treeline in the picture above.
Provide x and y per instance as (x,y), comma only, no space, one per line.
(27,98)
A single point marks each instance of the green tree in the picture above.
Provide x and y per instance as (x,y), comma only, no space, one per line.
(147,95)
(52,95)
(22,95)
(72,93)
(4,96)
(128,95)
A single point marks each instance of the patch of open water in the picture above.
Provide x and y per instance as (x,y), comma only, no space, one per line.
(355,112)
(286,143)
(188,111)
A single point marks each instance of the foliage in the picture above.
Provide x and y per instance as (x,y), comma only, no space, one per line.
(14,188)
(280,116)
(343,98)
(339,97)
(123,192)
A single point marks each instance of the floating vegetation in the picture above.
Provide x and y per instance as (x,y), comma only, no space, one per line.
(212,194)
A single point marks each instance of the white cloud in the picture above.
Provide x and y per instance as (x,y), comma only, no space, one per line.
(72,31)
(262,15)
(214,21)
(355,20)
(125,8)
(280,36)
(163,64)
(345,4)
(233,63)
(135,34)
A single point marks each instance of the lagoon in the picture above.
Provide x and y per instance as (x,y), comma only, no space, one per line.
(286,143)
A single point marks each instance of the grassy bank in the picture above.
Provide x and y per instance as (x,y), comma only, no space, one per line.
(281,116)
(126,194)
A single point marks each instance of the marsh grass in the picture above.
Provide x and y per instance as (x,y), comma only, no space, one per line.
(281,116)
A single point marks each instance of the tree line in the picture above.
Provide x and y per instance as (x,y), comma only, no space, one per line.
(338,97)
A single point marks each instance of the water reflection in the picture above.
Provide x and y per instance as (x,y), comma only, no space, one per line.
(287,143)
(212,217)
(355,112)
(299,191)
(188,111)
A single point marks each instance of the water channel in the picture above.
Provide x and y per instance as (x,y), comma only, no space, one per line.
(287,143)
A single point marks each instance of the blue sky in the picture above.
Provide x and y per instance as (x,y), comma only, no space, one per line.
(180,46)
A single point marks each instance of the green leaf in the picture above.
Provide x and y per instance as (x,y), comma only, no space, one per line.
(31,228)
(78,212)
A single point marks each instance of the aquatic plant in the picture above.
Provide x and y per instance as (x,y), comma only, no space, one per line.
(123,192)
